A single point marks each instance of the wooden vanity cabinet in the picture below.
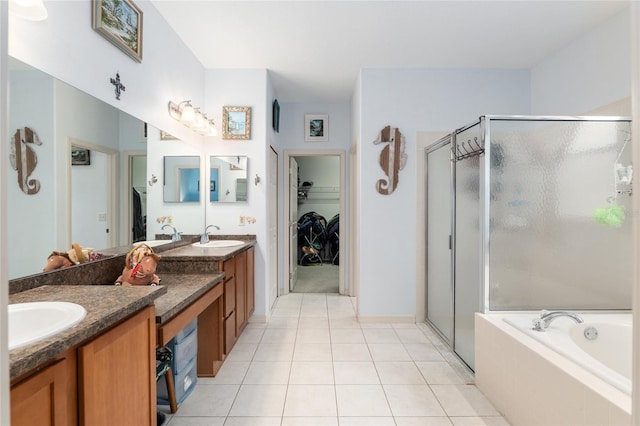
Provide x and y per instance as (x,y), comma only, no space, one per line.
(117,374)
(229,268)
(251,286)
(108,381)
(241,292)
(47,397)
(245,288)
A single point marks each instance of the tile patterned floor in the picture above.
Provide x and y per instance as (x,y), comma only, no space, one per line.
(315,364)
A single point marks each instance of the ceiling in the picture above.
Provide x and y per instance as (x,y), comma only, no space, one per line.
(314,49)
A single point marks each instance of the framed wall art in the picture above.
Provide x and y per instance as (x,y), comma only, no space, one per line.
(236,122)
(316,127)
(276,116)
(80,156)
(120,22)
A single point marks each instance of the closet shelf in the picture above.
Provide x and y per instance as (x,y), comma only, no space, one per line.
(319,193)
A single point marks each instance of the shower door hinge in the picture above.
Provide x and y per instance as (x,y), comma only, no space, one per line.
(450,242)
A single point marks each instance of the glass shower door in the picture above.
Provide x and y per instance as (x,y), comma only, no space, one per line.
(439,262)
(467,245)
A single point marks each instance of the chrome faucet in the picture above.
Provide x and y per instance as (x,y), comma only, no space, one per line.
(204,238)
(546,317)
(176,235)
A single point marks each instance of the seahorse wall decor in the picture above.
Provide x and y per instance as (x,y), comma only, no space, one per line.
(24,159)
(392,158)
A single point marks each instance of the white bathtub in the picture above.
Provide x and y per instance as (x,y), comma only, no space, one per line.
(608,356)
(555,377)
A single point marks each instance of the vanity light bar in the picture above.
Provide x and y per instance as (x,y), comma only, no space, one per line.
(193,118)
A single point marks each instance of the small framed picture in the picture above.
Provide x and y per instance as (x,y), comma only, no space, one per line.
(80,156)
(276,116)
(120,22)
(316,127)
(236,122)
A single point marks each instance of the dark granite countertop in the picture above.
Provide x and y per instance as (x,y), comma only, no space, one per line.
(187,252)
(105,305)
(182,290)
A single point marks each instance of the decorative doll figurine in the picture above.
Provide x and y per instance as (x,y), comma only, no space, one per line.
(140,267)
(77,255)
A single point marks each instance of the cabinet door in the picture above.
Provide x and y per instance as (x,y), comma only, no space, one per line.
(42,398)
(229,296)
(241,292)
(250,279)
(229,333)
(117,380)
(229,269)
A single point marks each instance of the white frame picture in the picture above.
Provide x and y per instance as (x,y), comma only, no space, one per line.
(316,127)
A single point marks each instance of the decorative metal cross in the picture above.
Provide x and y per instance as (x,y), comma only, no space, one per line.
(119,86)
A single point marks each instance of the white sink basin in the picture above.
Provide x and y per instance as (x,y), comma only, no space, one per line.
(153,243)
(220,243)
(30,322)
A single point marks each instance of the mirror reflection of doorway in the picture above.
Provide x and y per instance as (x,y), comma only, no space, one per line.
(138,197)
(92,221)
(214,184)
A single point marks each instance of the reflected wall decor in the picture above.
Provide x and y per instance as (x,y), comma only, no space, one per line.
(24,160)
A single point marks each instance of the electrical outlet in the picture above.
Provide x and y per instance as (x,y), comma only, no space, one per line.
(102,217)
(241,223)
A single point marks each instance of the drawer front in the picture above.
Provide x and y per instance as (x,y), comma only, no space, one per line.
(229,333)
(229,296)
(229,267)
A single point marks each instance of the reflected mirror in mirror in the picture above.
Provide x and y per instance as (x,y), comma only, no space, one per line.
(181,179)
(228,179)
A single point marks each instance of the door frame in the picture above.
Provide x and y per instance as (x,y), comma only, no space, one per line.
(423,140)
(343,289)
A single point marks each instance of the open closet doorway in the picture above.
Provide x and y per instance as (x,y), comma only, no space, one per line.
(135,200)
(314,205)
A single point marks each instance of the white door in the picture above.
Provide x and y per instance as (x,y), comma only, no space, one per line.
(293,223)
(273,227)
(91,221)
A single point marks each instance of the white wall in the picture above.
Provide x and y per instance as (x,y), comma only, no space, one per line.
(243,87)
(4,165)
(66,46)
(413,100)
(592,71)
(292,125)
(32,101)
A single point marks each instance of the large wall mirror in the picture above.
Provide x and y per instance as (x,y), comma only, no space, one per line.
(181,179)
(90,162)
(228,179)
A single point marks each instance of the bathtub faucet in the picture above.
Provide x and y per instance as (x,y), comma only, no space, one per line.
(546,317)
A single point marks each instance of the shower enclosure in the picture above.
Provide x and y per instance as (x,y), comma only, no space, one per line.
(527,213)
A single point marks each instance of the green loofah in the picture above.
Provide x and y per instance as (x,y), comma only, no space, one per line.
(609,216)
